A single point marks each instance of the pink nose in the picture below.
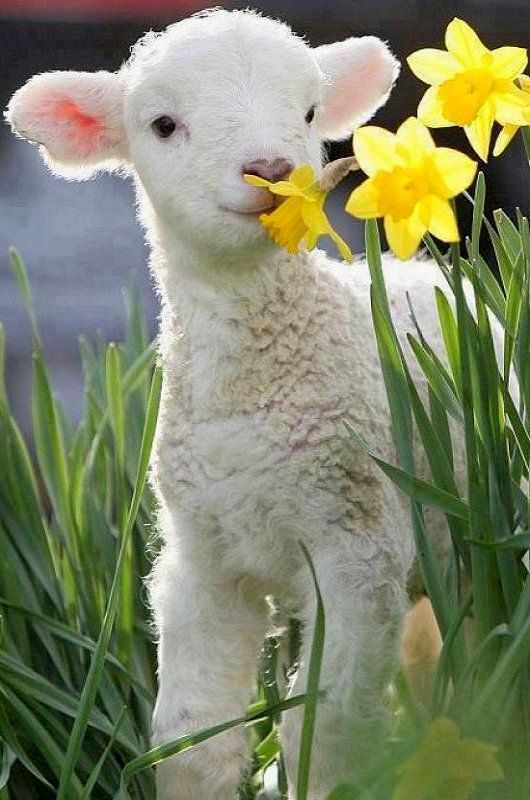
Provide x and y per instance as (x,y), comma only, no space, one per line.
(273,171)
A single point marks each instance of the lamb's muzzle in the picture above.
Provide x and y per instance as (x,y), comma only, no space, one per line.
(277,169)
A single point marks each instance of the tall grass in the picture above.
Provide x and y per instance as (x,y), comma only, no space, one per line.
(68,514)
(483,675)
(76,658)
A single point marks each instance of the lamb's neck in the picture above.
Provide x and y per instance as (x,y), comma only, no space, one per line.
(220,304)
(229,339)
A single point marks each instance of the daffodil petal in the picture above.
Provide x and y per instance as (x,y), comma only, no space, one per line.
(504,138)
(456,171)
(255,180)
(363,201)
(302,176)
(462,41)
(415,137)
(479,131)
(341,246)
(310,240)
(439,217)
(374,149)
(512,107)
(318,224)
(433,66)
(508,62)
(404,236)
(315,218)
(430,110)
(285,189)
(524,82)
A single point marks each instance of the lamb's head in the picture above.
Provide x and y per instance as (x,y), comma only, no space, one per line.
(213,97)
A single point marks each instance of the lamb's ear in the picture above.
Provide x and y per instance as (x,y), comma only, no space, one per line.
(359,74)
(77,117)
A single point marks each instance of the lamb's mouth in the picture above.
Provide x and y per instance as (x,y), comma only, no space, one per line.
(265,208)
(249,212)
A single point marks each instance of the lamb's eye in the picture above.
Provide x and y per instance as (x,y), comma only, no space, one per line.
(310,115)
(164,126)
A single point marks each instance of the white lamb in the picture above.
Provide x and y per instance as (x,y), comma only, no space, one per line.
(265,356)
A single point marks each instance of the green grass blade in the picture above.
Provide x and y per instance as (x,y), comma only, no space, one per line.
(478,215)
(28,721)
(115,402)
(94,775)
(163,751)
(313,683)
(416,488)
(96,666)
(21,276)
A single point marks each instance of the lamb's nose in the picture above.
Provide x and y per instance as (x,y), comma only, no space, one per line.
(273,171)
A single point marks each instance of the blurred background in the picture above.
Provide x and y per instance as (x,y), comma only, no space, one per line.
(81,242)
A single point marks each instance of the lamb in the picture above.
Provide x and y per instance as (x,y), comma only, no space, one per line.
(265,355)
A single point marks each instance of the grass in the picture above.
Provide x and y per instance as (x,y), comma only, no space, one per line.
(77,658)
(75,521)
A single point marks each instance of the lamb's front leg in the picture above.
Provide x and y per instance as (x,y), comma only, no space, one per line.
(210,631)
(364,611)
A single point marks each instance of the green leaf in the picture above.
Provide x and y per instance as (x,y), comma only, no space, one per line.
(509,234)
(493,693)
(50,444)
(115,400)
(346,791)
(520,541)
(28,722)
(416,488)
(487,287)
(21,275)
(3,395)
(449,331)
(478,215)
(96,667)
(94,775)
(155,755)
(438,380)
(313,686)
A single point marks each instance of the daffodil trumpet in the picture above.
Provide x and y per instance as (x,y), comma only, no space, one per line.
(300,217)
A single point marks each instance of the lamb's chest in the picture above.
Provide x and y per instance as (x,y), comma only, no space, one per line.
(246,468)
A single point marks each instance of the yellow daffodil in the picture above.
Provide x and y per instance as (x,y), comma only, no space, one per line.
(410,183)
(508,131)
(301,216)
(446,766)
(471,86)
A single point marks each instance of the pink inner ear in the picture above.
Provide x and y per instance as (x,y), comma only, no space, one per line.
(84,128)
(83,133)
(371,82)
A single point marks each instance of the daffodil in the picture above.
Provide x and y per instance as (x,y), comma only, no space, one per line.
(301,216)
(446,766)
(410,184)
(471,86)
(508,131)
